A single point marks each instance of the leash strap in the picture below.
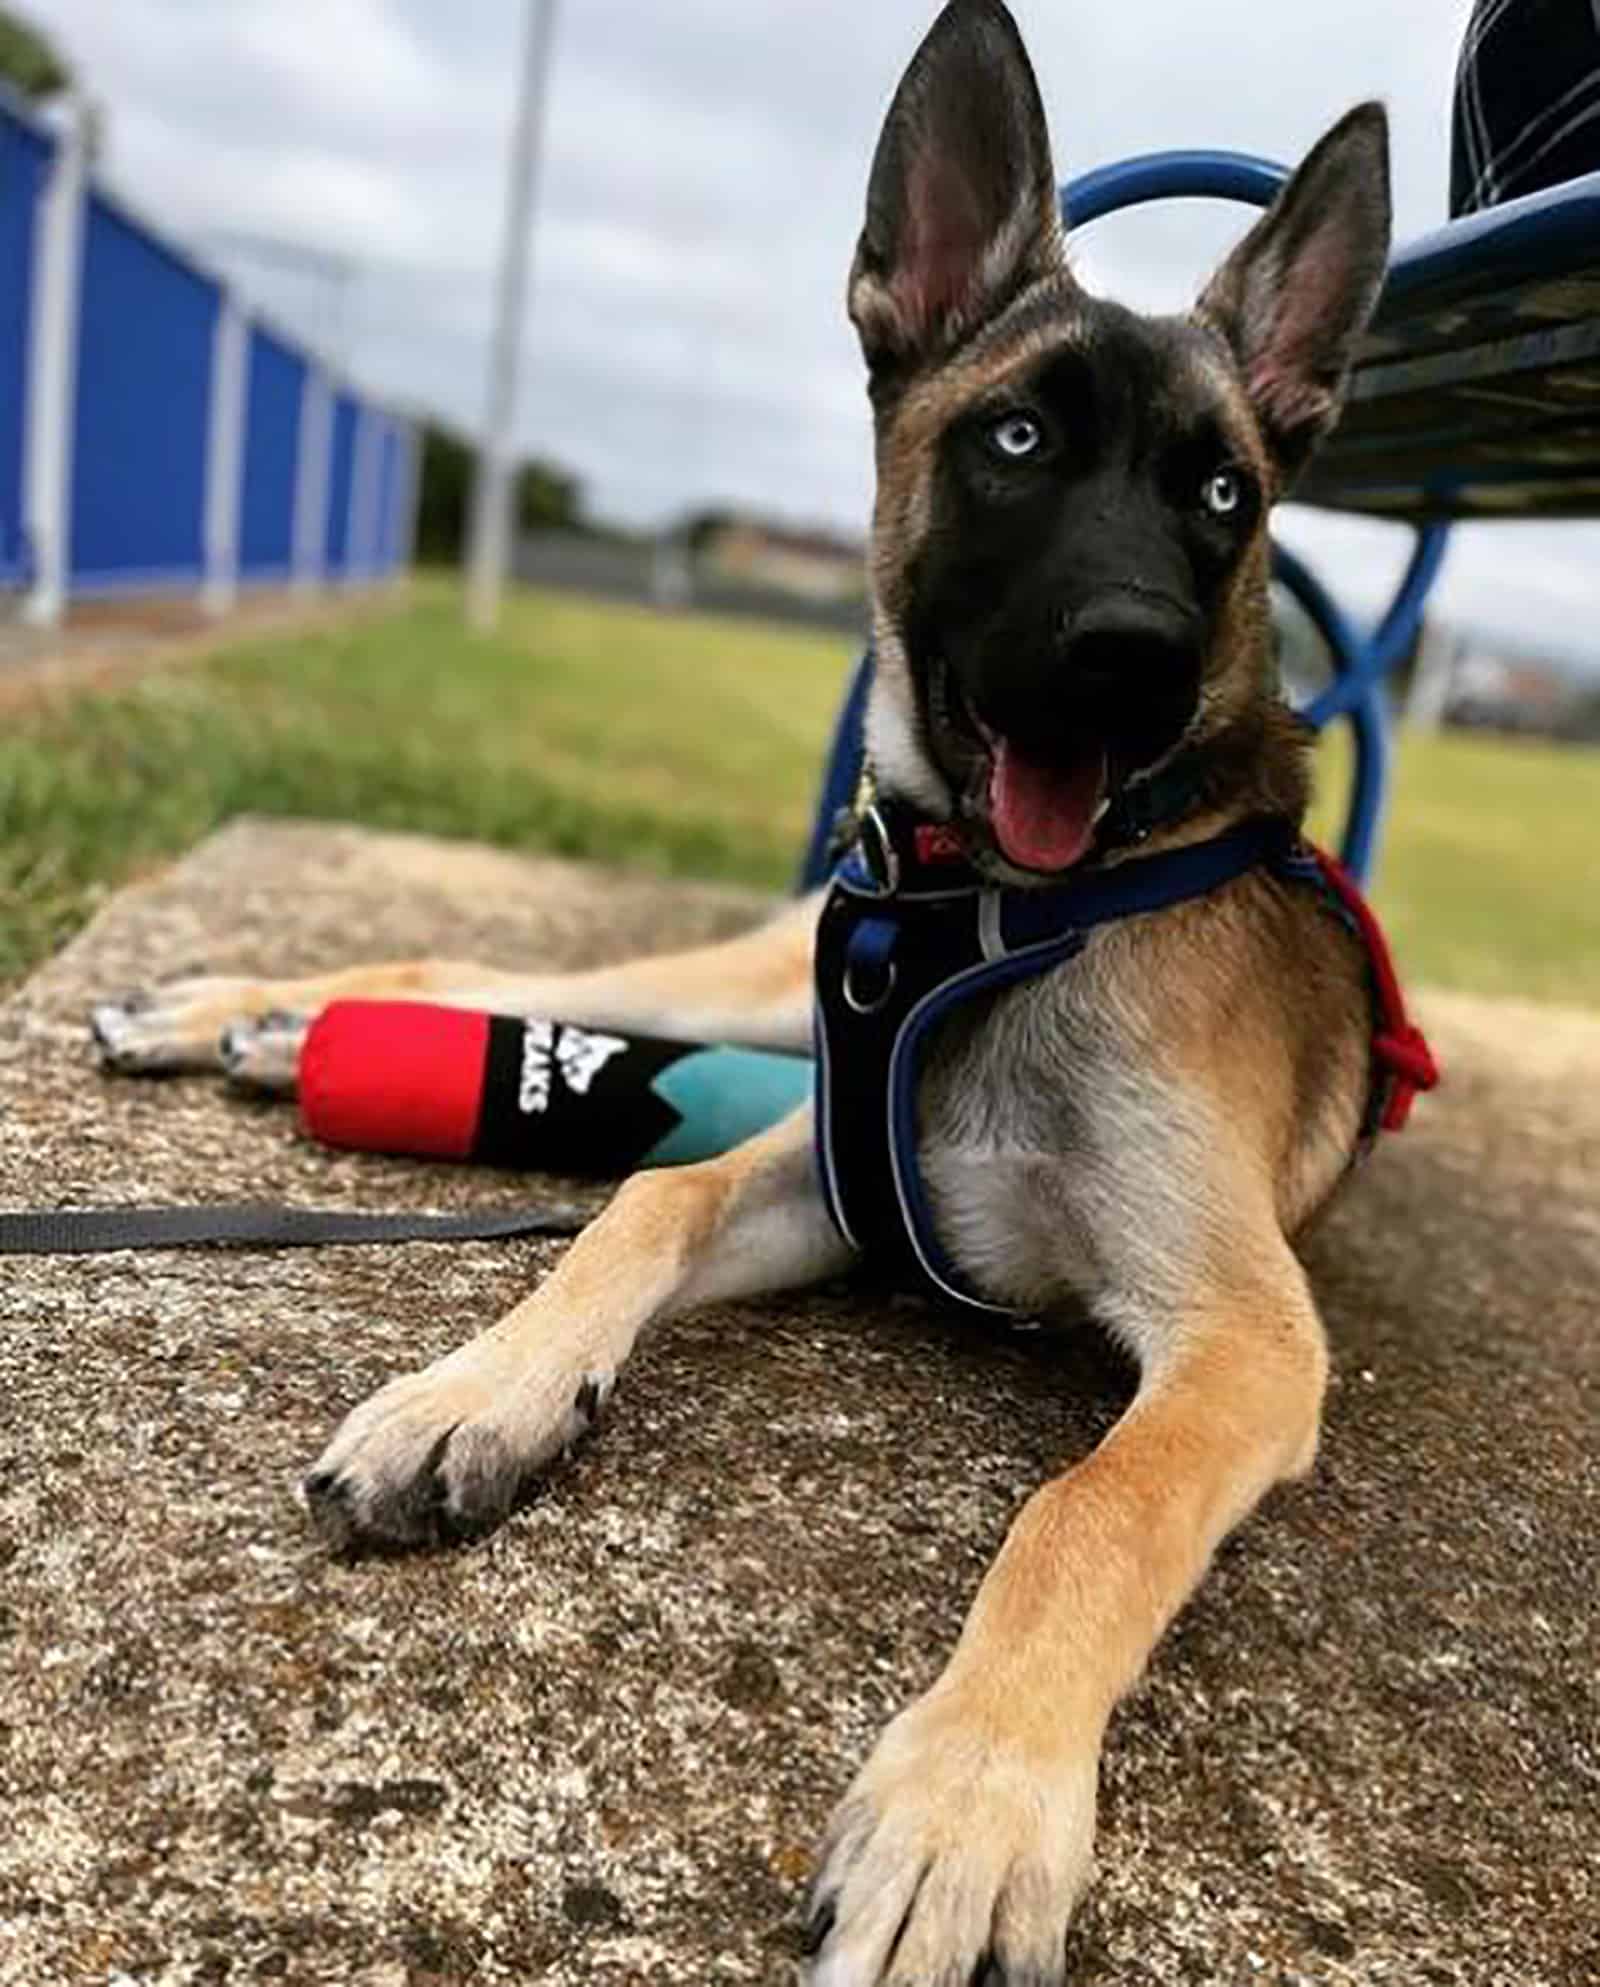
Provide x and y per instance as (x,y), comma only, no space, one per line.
(260,1225)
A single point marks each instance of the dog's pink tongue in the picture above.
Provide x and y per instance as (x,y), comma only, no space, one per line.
(1044,816)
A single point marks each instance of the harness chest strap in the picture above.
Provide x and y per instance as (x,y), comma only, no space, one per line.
(908,935)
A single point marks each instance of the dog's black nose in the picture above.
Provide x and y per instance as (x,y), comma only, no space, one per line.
(1127,637)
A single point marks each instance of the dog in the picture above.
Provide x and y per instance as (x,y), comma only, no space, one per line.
(1069,576)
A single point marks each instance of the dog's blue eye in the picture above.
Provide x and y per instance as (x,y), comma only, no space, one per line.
(1016,436)
(1223,493)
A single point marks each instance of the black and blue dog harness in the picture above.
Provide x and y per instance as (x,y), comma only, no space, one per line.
(909,933)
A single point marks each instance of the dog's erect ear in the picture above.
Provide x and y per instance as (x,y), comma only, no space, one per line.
(1294,297)
(962,206)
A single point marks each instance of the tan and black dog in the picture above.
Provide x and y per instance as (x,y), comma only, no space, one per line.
(1069,573)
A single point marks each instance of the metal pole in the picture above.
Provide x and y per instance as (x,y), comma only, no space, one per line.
(497,455)
(225,441)
(51,392)
(411,507)
(313,464)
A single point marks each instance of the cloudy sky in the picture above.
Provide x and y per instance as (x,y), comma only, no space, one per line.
(705,166)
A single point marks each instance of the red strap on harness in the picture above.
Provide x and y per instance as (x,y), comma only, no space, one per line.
(1399,1046)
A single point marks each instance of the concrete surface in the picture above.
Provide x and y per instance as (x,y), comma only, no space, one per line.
(598,1747)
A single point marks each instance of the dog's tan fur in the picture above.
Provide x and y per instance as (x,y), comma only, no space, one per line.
(1139,1133)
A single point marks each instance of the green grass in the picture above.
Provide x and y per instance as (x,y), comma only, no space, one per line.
(682,744)
(685,745)
(1489,878)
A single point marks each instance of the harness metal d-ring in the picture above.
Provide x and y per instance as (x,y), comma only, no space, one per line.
(878,852)
(891,973)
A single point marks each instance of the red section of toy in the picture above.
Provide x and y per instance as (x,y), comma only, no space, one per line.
(395,1076)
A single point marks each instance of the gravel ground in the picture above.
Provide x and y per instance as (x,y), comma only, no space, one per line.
(599,1746)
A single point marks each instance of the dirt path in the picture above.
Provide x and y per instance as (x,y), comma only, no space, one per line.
(104,644)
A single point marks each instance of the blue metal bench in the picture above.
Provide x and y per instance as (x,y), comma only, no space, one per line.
(1477,395)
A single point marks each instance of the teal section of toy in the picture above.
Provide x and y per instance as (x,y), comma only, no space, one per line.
(724,1096)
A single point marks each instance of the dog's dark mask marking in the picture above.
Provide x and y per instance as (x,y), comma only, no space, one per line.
(1069,549)
(1070,592)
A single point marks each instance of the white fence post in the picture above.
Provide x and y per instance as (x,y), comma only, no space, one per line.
(53,368)
(408,497)
(313,473)
(225,440)
(366,496)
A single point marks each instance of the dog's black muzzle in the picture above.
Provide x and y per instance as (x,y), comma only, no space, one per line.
(1121,672)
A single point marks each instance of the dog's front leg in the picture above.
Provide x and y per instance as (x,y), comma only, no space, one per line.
(965,1843)
(445,1451)
(754,989)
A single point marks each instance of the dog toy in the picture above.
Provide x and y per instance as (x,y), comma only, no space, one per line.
(536,1095)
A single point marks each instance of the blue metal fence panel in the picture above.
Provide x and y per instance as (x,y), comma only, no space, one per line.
(148,322)
(341,475)
(24,162)
(275,385)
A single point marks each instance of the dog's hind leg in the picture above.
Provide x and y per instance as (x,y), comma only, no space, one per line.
(966,1841)
(445,1451)
(753,990)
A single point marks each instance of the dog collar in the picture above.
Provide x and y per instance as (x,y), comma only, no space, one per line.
(901,848)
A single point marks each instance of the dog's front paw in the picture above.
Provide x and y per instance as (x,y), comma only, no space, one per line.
(263,1054)
(959,1854)
(443,1454)
(175,1029)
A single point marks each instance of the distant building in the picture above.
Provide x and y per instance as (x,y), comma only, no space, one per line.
(1484,682)
(814,565)
(1461,677)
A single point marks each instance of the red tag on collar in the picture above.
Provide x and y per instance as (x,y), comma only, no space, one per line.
(936,843)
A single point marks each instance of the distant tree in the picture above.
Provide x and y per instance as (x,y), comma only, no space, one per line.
(701,527)
(27,60)
(446,494)
(548,497)
(1584,724)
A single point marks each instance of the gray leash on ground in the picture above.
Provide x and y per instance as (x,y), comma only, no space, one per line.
(261,1225)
